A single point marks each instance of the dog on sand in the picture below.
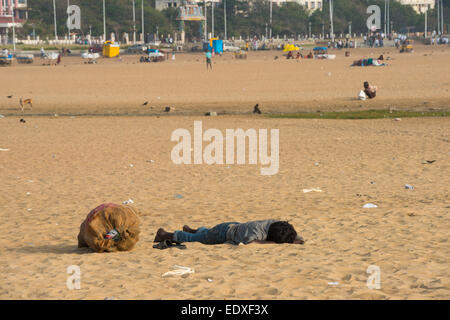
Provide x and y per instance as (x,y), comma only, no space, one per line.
(25,102)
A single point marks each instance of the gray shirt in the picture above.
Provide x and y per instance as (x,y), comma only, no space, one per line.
(249,231)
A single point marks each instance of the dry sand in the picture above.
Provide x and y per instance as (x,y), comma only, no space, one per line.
(58,168)
(418,80)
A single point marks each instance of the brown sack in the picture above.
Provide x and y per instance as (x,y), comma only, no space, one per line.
(104,218)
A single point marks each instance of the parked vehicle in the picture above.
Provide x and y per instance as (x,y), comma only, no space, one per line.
(137,48)
(6,60)
(230,47)
(25,58)
(322,53)
(407,46)
(154,55)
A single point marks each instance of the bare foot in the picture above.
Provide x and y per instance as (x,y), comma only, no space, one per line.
(162,235)
(299,240)
(189,230)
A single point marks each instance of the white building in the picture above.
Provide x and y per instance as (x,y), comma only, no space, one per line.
(419,5)
(309,4)
(10,8)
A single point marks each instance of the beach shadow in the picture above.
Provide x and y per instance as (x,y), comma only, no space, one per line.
(53,249)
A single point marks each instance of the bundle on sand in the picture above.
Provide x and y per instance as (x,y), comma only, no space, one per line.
(110,227)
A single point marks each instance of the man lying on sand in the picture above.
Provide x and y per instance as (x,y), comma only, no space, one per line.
(263,231)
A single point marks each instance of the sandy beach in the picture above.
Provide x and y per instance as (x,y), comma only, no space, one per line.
(55,169)
(418,80)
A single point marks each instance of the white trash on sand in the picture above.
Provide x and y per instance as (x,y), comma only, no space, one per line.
(361,95)
(179,271)
(312,190)
(129,201)
(369,205)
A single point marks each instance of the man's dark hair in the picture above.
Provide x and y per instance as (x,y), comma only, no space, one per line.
(281,232)
(366,84)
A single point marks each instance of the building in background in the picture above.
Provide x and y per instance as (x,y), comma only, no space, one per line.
(164,4)
(8,8)
(309,4)
(420,6)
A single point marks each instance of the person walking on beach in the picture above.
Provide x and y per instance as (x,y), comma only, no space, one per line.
(262,231)
(208,59)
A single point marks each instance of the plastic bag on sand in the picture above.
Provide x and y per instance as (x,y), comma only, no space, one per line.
(179,271)
(312,190)
(106,220)
(362,95)
(370,205)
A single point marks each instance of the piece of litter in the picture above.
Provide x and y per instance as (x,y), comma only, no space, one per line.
(370,205)
(178,196)
(29,180)
(28,193)
(362,95)
(210,280)
(151,161)
(333,283)
(1,149)
(129,201)
(316,163)
(398,119)
(179,271)
(131,165)
(372,182)
(1,116)
(29,209)
(408,186)
(312,190)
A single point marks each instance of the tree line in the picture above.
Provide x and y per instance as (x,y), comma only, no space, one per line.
(244,18)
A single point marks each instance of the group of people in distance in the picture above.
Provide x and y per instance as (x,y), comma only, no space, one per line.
(290,55)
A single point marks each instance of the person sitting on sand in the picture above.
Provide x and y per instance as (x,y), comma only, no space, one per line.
(290,55)
(370,91)
(299,56)
(310,55)
(262,231)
